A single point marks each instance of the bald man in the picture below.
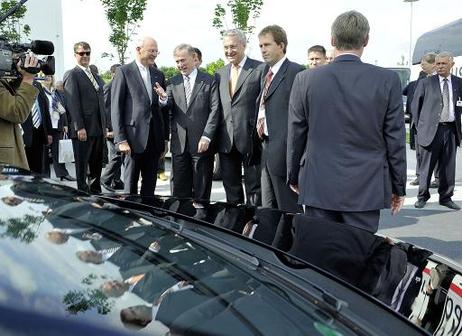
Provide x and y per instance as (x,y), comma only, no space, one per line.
(136,117)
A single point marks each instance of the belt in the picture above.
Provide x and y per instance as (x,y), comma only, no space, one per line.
(447,123)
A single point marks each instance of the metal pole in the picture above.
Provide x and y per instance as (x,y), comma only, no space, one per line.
(410,37)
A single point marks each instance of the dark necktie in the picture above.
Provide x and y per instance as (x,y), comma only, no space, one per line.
(445,111)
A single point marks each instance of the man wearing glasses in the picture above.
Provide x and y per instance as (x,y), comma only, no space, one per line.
(137,119)
(84,94)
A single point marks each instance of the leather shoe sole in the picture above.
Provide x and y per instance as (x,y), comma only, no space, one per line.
(450,205)
(108,187)
(420,204)
(68,178)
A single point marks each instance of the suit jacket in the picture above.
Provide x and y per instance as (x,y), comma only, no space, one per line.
(132,111)
(427,104)
(199,119)
(28,126)
(84,103)
(14,109)
(107,104)
(346,147)
(239,111)
(276,111)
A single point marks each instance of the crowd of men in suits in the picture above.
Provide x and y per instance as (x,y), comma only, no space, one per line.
(329,140)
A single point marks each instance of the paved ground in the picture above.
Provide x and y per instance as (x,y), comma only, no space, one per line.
(434,227)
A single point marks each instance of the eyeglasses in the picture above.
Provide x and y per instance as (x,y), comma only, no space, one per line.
(83,53)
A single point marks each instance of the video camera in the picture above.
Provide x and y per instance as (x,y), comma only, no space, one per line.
(11,53)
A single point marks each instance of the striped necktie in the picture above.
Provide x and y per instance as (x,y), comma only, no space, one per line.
(187,89)
(92,79)
(36,116)
(268,79)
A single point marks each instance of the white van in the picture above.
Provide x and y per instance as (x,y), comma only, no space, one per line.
(445,38)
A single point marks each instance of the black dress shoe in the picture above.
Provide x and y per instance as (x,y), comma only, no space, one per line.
(108,187)
(450,204)
(420,204)
(118,185)
(415,182)
(68,178)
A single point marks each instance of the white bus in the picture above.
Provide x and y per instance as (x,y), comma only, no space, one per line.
(445,38)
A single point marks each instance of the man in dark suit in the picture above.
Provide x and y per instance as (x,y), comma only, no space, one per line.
(438,103)
(192,97)
(350,176)
(84,94)
(112,172)
(137,119)
(239,87)
(38,133)
(272,118)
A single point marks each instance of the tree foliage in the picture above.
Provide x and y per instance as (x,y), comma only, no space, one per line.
(241,11)
(13,28)
(123,17)
(22,228)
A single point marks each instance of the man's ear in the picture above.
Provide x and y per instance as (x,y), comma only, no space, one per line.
(332,41)
(366,40)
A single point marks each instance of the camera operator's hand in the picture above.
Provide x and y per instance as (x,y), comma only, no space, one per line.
(82,134)
(31,61)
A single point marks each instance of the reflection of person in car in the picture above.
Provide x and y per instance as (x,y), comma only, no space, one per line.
(137,317)
(60,236)
(12,200)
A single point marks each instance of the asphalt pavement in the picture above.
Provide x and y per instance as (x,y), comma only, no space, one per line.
(434,227)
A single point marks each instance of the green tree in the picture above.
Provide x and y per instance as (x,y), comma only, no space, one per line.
(13,28)
(169,72)
(23,228)
(123,17)
(241,12)
(211,68)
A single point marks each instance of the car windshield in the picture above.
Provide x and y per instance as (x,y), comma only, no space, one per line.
(72,256)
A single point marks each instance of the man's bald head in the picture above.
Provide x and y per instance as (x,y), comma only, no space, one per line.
(146,51)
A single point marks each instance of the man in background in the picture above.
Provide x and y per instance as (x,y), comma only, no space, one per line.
(316,56)
(85,103)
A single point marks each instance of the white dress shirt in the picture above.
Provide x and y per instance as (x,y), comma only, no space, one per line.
(261,110)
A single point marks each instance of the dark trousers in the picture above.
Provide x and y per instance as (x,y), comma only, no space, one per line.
(231,172)
(192,175)
(89,158)
(35,153)
(442,150)
(419,159)
(368,220)
(112,171)
(144,163)
(59,168)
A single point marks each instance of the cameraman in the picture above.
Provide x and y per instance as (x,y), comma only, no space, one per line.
(15,106)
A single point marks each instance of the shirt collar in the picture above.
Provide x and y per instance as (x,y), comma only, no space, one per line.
(275,68)
(192,74)
(441,78)
(83,68)
(141,66)
(242,62)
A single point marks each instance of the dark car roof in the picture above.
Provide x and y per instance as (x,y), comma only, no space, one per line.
(229,285)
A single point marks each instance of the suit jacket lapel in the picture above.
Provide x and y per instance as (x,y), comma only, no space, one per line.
(179,93)
(139,79)
(278,78)
(455,91)
(245,72)
(226,80)
(197,87)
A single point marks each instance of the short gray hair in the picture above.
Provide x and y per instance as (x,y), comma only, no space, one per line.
(429,57)
(237,33)
(444,54)
(350,30)
(184,46)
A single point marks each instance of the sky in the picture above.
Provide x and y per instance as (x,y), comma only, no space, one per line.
(306,22)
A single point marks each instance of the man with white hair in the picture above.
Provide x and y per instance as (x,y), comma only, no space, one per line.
(437,101)
(137,118)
